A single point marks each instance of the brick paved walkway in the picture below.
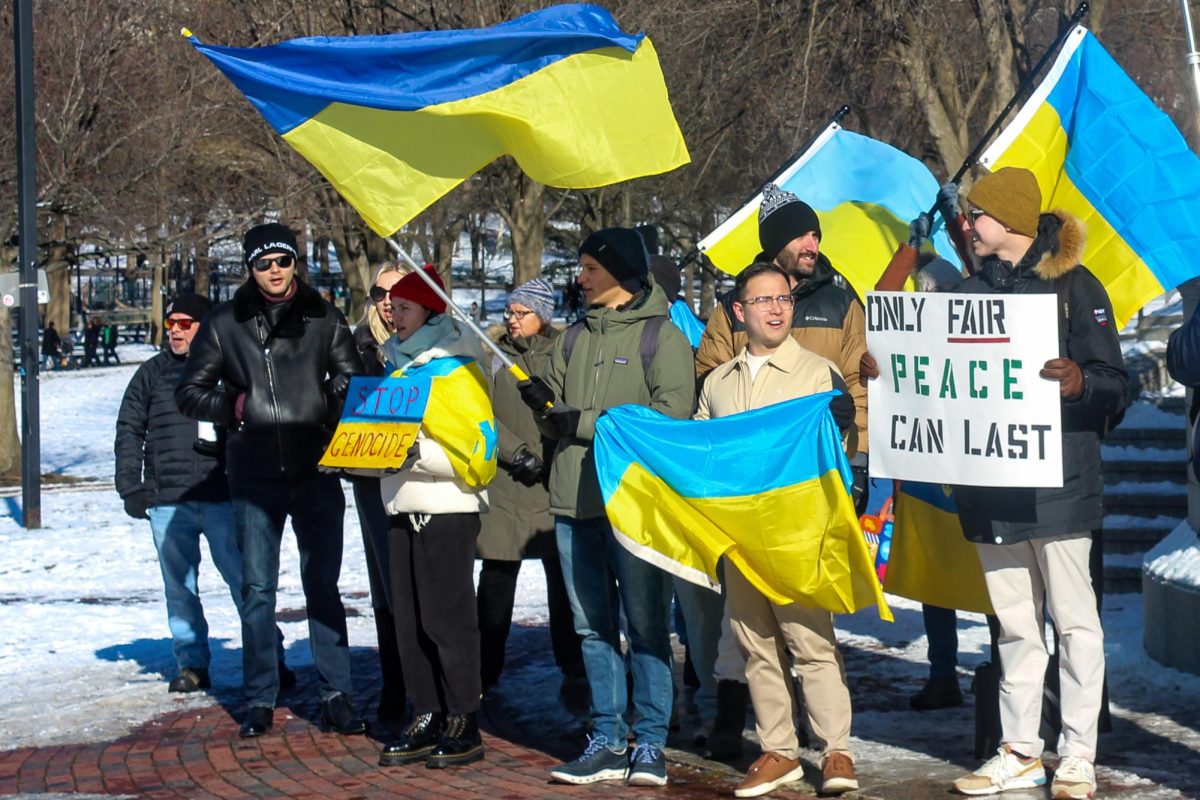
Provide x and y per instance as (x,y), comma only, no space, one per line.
(197,755)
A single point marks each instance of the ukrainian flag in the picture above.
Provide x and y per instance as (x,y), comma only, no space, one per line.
(931,561)
(864,192)
(1102,151)
(767,488)
(394,122)
(447,398)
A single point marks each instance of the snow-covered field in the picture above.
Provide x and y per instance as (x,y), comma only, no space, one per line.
(85,651)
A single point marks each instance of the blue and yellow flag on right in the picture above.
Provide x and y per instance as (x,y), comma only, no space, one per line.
(1102,151)
(767,489)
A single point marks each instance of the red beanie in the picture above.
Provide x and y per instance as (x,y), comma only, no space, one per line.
(411,287)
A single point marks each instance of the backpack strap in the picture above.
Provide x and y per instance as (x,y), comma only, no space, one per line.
(647,349)
(570,337)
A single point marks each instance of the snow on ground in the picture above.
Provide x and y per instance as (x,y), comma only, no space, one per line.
(86,651)
(1176,558)
(1147,415)
(1125,452)
(1145,487)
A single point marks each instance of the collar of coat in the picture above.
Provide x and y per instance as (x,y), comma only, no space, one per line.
(789,358)
(248,301)
(1056,250)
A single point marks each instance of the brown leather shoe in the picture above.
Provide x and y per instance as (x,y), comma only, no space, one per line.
(767,774)
(838,775)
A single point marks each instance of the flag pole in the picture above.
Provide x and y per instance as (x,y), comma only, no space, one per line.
(1028,80)
(462,316)
(1193,57)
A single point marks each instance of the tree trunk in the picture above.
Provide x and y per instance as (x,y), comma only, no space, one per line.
(352,255)
(203,267)
(58,276)
(156,303)
(10,443)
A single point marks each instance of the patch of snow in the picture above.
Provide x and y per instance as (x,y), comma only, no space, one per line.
(1176,558)
(1147,415)
(1125,452)
(1119,521)
(1147,487)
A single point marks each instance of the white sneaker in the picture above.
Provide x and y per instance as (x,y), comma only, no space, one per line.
(1075,779)
(1003,771)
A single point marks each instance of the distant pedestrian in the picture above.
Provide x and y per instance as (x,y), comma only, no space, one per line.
(91,343)
(167,473)
(109,337)
(51,346)
(271,366)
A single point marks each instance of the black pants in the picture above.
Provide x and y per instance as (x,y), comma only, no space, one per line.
(433,596)
(373,520)
(497,591)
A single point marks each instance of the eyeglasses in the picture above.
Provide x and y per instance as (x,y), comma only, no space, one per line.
(518,315)
(378,293)
(264,264)
(182,324)
(784,300)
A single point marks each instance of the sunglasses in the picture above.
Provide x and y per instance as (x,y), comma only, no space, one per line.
(378,293)
(975,213)
(264,264)
(182,324)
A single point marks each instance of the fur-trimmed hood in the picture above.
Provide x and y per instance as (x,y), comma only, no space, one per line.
(1057,249)
(248,301)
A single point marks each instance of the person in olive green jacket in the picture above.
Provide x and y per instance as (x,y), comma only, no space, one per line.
(519,524)
(605,369)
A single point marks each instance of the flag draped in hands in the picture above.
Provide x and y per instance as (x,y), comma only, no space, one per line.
(766,488)
(1102,151)
(394,122)
(864,192)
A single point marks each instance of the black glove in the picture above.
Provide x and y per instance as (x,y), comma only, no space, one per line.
(526,468)
(860,489)
(135,504)
(918,230)
(842,408)
(536,394)
(947,202)
(338,385)
(563,420)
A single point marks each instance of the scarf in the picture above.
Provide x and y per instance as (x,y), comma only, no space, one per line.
(401,353)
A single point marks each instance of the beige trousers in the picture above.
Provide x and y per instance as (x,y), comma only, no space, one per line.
(766,634)
(1018,576)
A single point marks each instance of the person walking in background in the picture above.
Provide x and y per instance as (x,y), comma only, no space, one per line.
(51,346)
(519,524)
(91,343)
(110,336)
(375,329)
(270,366)
(168,473)
(434,524)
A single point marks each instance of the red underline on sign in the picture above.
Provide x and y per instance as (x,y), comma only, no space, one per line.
(978,340)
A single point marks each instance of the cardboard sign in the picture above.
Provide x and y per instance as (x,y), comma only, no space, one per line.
(379,422)
(958,399)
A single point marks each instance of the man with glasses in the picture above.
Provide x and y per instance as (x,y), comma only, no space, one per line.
(168,473)
(773,368)
(271,365)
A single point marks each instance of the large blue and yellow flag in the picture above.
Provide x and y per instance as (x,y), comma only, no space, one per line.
(766,488)
(394,122)
(864,192)
(931,561)
(1102,150)
(447,397)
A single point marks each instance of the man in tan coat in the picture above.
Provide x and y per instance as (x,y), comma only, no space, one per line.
(773,368)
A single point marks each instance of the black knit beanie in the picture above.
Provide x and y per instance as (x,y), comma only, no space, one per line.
(781,218)
(621,252)
(269,238)
(194,305)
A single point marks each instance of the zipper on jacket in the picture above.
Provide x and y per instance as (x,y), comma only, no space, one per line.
(599,362)
(271,385)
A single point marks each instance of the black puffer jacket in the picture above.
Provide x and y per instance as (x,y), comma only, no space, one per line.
(282,357)
(155,443)
(1087,336)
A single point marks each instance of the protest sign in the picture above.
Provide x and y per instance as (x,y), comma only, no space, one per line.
(958,399)
(379,422)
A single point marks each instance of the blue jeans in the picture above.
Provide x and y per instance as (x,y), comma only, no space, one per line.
(177,528)
(316,506)
(941,633)
(601,577)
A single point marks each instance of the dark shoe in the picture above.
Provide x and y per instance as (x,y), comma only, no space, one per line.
(337,713)
(460,743)
(416,742)
(937,693)
(287,678)
(189,679)
(598,763)
(647,766)
(258,721)
(725,739)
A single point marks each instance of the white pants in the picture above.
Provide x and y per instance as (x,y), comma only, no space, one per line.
(1018,576)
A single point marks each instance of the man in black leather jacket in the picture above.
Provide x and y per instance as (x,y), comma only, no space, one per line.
(270,366)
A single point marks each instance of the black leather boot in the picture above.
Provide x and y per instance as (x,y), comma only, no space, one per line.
(725,739)
(338,713)
(416,742)
(460,743)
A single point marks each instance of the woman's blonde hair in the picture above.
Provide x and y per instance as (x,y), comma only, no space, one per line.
(379,328)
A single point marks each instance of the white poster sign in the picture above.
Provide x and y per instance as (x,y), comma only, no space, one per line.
(958,399)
